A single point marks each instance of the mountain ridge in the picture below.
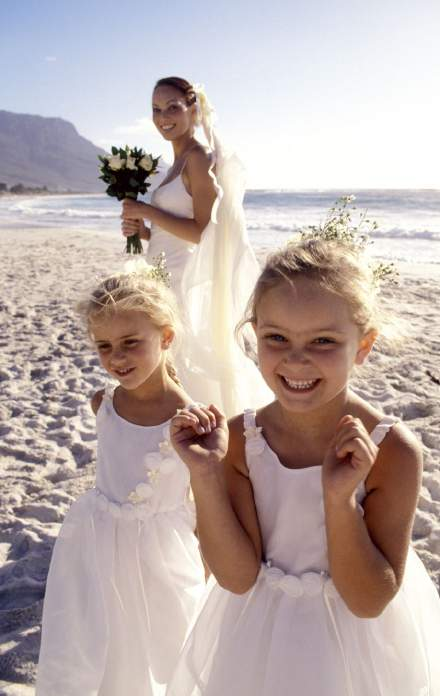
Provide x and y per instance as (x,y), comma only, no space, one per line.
(47,151)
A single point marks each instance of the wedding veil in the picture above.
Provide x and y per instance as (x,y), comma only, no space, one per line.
(216,285)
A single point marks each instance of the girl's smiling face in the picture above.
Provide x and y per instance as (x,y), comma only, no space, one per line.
(172,116)
(307,343)
(130,347)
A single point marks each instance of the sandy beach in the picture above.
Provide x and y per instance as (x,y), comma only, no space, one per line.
(48,373)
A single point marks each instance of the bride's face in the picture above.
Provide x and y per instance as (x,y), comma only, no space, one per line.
(172,116)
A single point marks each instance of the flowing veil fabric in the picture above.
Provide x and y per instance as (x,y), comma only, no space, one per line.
(217,283)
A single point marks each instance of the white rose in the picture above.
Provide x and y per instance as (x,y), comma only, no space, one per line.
(146,163)
(115,162)
(130,163)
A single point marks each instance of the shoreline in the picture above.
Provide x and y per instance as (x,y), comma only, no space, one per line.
(48,373)
(47,194)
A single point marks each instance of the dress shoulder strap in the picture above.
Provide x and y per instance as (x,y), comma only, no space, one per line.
(382,428)
(107,397)
(109,391)
(249,418)
(254,440)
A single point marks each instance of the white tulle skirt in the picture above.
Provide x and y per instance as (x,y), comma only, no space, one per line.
(120,595)
(296,637)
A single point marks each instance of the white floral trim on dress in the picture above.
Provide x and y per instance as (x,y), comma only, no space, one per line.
(157,464)
(309,584)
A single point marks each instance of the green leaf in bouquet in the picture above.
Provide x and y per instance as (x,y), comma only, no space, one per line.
(114,150)
(133,182)
(130,194)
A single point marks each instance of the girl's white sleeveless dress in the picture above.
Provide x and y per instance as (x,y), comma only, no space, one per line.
(126,574)
(292,634)
(212,281)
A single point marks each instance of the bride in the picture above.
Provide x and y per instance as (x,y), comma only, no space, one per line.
(196,217)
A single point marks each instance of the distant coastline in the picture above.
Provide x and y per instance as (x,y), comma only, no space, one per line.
(21,190)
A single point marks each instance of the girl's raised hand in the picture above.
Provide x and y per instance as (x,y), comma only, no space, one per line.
(348,460)
(200,437)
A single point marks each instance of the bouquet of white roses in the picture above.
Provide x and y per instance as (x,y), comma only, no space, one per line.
(126,172)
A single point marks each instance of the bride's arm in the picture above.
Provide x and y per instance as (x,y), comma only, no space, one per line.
(203,194)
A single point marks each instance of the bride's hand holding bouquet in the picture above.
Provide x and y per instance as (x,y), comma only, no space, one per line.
(126,172)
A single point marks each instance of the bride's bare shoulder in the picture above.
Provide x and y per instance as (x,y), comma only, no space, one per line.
(198,159)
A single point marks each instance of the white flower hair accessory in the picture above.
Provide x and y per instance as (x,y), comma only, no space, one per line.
(205,110)
(156,271)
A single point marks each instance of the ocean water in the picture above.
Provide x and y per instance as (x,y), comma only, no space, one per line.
(409,220)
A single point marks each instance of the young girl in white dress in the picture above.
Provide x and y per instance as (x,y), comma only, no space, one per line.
(305,519)
(125,573)
(196,218)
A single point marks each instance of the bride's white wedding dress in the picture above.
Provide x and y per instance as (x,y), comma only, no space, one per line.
(212,281)
(173,197)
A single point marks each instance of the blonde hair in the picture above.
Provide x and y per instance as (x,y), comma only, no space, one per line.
(337,267)
(134,291)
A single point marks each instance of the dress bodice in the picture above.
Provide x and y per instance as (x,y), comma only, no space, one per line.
(137,464)
(290,504)
(173,198)
(126,574)
(293,631)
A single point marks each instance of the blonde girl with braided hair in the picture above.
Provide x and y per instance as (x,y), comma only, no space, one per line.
(196,218)
(126,573)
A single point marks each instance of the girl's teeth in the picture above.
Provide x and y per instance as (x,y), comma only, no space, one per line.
(297,384)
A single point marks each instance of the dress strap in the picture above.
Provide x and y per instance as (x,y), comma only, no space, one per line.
(249,418)
(185,159)
(381,429)
(109,391)
(254,440)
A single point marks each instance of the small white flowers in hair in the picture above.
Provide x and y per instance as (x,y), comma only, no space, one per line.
(205,110)
(340,228)
(156,271)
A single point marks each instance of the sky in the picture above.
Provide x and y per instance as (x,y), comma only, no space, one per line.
(313,94)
